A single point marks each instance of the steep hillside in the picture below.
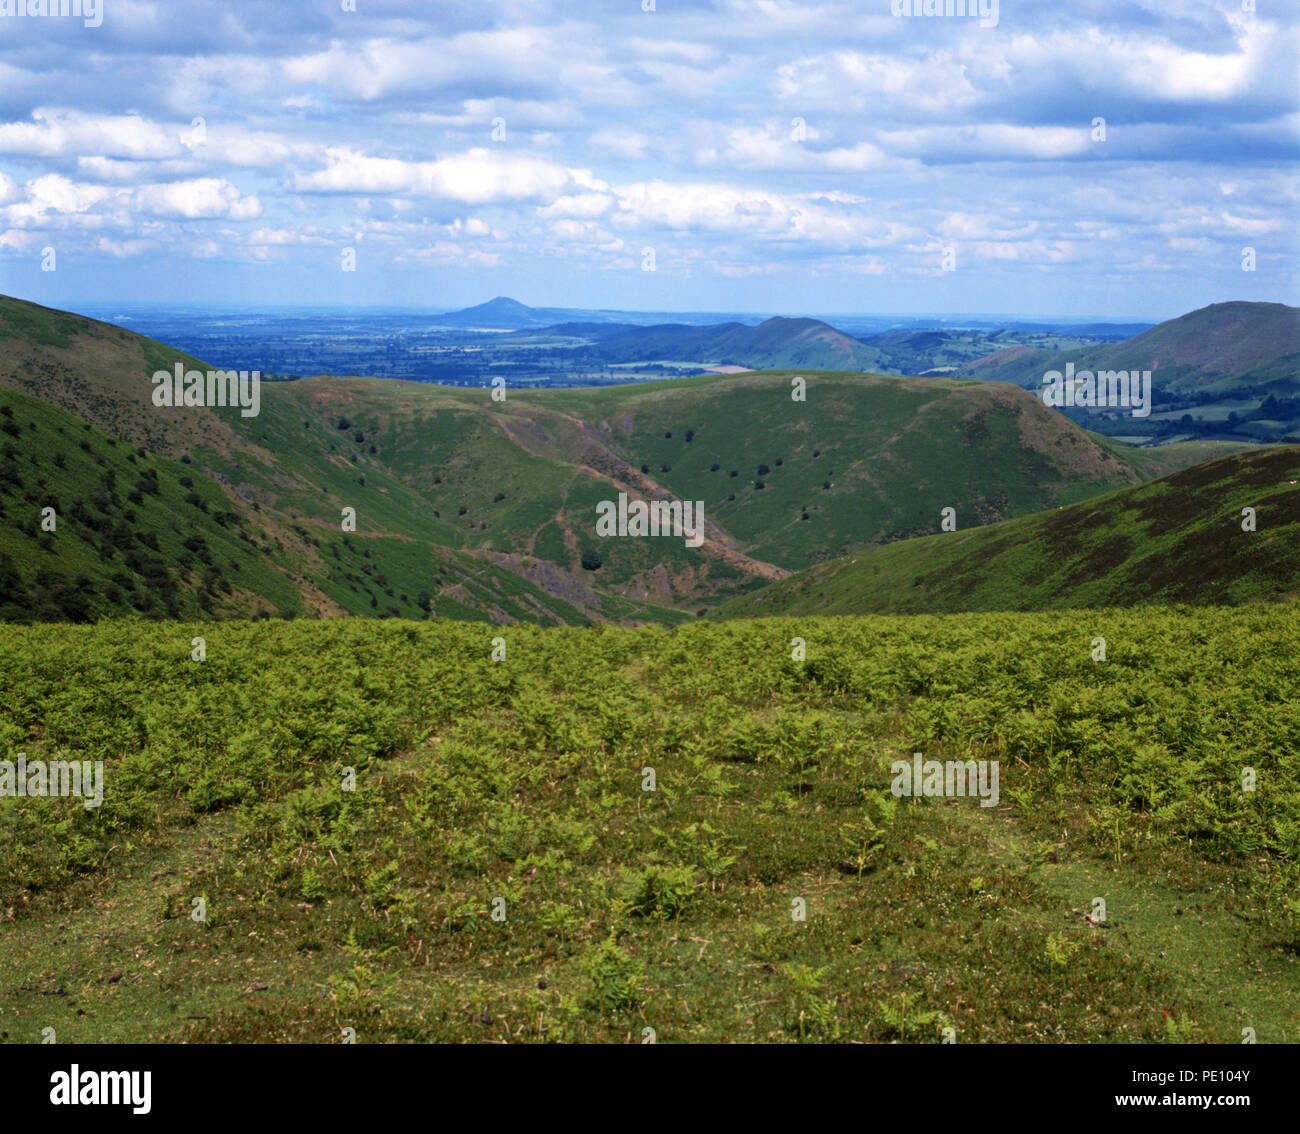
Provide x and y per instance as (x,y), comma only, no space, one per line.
(1202,350)
(90,526)
(865,459)
(473,507)
(1175,540)
(101,373)
(132,532)
(1230,369)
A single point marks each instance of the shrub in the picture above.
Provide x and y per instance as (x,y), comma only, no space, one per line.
(661,891)
(615,978)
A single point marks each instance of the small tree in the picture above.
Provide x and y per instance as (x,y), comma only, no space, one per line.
(591,560)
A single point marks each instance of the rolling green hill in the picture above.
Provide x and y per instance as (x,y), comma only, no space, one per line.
(135,532)
(467,506)
(1229,358)
(864,460)
(1179,539)
(1211,349)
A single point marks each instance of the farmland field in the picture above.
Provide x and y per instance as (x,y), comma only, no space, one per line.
(557,834)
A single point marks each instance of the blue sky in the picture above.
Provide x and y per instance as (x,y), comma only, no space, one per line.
(776,156)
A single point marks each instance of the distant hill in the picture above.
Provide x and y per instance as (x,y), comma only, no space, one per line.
(504,313)
(1228,357)
(776,343)
(779,343)
(1192,353)
(1174,540)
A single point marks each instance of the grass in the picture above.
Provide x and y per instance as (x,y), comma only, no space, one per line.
(501,871)
(1176,540)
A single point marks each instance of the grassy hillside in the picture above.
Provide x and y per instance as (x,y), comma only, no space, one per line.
(865,459)
(138,533)
(1208,349)
(1238,359)
(487,508)
(129,531)
(502,871)
(1176,540)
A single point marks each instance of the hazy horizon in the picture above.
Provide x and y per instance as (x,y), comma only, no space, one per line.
(130,307)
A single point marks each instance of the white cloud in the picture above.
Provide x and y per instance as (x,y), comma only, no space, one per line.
(121,249)
(198,199)
(760,214)
(68,133)
(580,205)
(54,194)
(380,67)
(696,53)
(478,176)
(774,147)
(473,226)
(263,237)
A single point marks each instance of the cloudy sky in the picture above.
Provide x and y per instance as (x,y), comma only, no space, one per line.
(765,155)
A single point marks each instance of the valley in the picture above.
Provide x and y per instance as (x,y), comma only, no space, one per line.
(472,502)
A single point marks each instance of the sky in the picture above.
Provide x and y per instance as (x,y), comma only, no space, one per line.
(1076,158)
